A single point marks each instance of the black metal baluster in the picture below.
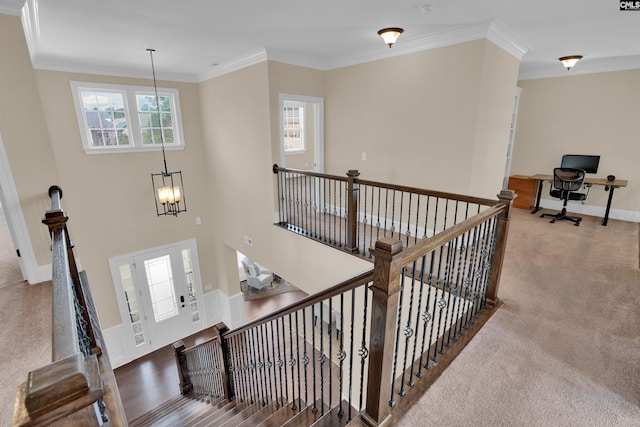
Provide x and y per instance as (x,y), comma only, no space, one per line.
(364,221)
(342,237)
(321,359)
(371,224)
(336,214)
(329,334)
(490,252)
(401,392)
(267,361)
(305,358)
(453,286)
(239,369)
(289,200)
(473,276)
(260,381)
(283,359)
(277,357)
(363,352)
(393,213)
(297,357)
(421,315)
(478,293)
(341,354)
(426,219)
(353,311)
(314,206)
(313,356)
(462,293)
(386,211)
(251,371)
(448,274)
(408,331)
(418,310)
(441,304)
(408,233)
(455,214)
(378,222)
(435,217)
(400,215)
(415,233)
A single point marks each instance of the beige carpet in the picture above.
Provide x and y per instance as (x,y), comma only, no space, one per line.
(25,325)
(564,349)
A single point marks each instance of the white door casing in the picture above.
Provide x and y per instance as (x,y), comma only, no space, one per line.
(159,295)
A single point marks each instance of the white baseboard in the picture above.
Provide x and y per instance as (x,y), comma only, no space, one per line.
(116,339)
(592,210)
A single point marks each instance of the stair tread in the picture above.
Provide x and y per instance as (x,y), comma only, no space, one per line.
(280,417)
(213,413)
(305,417)
(333,418)
(164,408)
(259,416)
(240,412)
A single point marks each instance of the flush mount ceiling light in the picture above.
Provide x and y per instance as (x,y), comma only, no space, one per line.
(168,190)
(390,35)
(570,61)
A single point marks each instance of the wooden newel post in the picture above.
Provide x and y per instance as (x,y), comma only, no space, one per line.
(506,198)
(181,363)
(353,189)
(384,311)
(227,382)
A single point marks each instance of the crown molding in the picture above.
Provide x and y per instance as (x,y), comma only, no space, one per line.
(247,61)
(585,66)
(53,64)
(11,7)
(504,37)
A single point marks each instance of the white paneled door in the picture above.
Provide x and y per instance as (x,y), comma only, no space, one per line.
(159,295)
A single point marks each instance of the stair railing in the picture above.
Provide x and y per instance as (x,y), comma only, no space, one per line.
(417,309)
(352,213)
(78,387)
(429,301)
(311,353)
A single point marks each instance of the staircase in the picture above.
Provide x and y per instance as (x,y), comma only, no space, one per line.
(185,411)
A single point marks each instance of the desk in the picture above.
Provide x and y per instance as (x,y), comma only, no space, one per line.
(608,186)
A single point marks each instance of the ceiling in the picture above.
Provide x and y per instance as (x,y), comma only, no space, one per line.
(199,39)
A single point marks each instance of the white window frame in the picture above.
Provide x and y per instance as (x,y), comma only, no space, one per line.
(131,114)
(303,126)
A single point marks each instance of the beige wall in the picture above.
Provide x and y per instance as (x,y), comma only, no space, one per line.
(239,158)
(583,114)
(25,134)
(109,196)
(408,113)
(421,118)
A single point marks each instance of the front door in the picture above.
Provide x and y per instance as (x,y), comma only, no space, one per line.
(159,294)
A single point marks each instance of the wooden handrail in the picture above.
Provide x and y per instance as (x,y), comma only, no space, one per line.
(80,375)
(420,249)
(405,188)
(277,169)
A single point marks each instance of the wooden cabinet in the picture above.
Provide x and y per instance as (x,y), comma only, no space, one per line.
(525,188)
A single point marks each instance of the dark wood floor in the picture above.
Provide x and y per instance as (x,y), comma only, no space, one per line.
(146,383)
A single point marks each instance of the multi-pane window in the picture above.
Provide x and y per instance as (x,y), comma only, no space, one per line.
(293,127)
(126,118)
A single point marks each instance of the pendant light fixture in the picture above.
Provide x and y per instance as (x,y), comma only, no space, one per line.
(390,35)
(570,61)
(168,189)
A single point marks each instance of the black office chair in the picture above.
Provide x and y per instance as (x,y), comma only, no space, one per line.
(566,183)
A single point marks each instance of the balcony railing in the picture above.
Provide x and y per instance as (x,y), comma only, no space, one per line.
(397,326)
(351,213)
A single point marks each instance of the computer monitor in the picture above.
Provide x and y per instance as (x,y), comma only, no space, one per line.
(579,161)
